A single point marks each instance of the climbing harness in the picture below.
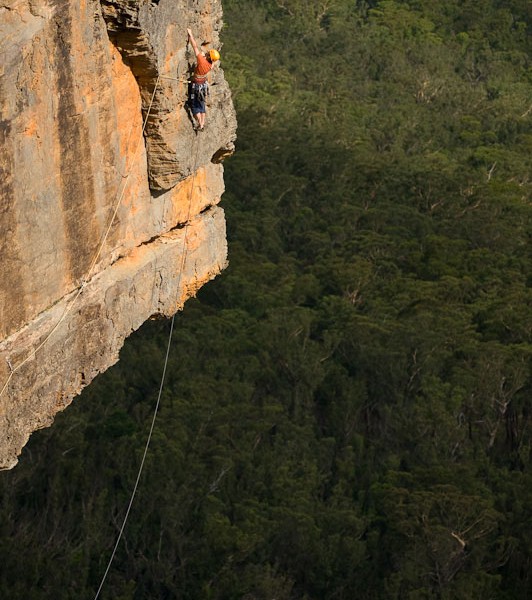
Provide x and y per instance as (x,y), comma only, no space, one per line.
(199,91)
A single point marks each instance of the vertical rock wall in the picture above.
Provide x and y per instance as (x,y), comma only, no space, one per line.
(77,81)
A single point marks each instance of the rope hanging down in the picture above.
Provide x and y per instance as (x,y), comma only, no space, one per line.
(14,368)
(168,346)
(157,404)
(141,468)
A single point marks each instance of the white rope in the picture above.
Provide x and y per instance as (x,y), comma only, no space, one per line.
(68,307)
(141,462)
(175,79)
(156,410)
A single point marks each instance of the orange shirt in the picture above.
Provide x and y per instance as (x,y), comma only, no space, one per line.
(203,66)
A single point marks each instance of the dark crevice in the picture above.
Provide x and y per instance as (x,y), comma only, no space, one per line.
(206,209)
(125,32)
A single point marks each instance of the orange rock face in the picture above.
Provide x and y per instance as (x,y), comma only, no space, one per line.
(102,224)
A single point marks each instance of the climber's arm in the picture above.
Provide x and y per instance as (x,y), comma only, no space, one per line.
(193,42)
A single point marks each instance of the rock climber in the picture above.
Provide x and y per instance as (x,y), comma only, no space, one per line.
(199,86)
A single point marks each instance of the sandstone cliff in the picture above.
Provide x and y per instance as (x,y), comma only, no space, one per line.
(78,79)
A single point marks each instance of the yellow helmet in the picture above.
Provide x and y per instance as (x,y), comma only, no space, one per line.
(214,55)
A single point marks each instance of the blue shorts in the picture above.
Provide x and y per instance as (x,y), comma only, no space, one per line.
(197,97)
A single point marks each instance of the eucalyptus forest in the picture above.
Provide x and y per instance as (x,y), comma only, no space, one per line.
(347,409)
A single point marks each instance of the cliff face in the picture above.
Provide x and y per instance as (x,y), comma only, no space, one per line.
(77,81)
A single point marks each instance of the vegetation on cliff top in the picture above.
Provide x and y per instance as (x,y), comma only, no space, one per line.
(347,413)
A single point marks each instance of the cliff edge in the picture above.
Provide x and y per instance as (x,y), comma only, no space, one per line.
(108,198)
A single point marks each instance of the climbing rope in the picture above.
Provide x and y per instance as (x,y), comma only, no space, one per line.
(180,79)
(141,468)
(161,386)
(14,368)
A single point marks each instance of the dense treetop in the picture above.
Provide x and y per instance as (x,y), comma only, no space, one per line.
(347,412)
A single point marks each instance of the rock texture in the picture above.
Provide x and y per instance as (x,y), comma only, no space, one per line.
(77,80)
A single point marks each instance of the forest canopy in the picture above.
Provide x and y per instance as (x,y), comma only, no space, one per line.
(347,407)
